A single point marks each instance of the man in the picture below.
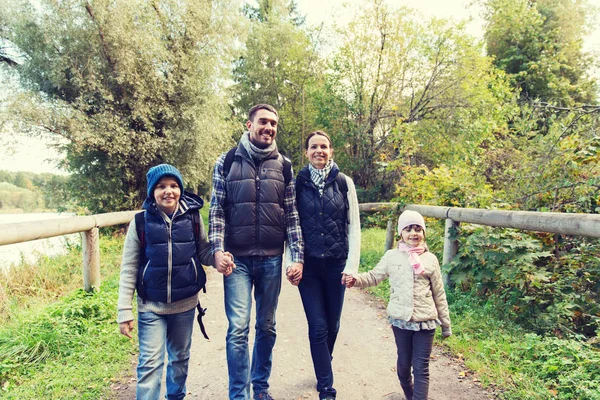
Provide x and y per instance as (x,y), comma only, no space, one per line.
(252,213)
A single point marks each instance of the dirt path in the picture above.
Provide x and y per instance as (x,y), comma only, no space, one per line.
(362,371)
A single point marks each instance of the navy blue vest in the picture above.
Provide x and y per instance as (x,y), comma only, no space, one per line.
(170,267)
(254,213)
(324,220)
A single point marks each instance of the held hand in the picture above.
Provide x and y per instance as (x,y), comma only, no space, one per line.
(224,262)
(294,273)
(348,280)
(126,328)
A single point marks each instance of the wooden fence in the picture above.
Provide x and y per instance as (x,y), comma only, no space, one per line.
(563,223)
(87,226)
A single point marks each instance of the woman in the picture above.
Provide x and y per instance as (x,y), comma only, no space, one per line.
(330,222)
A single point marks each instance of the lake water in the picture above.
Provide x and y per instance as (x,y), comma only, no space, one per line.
(30,251)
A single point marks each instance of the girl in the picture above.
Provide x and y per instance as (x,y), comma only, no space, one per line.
(417,301)
(330,222)
(167,275)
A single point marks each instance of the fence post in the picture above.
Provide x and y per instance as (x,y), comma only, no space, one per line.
(90,241)
(450,246)
(389,235)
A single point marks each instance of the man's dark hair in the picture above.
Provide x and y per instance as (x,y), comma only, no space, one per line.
(257,107)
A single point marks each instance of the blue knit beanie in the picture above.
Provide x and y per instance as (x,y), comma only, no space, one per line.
(155,174)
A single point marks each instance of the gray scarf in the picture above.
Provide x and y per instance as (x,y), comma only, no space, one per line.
(256,152)
(319,176)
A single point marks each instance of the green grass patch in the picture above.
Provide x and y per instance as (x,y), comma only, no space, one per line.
(524,365)
(71,347)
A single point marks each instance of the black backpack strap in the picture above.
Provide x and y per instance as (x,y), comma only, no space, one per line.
(228,161)
(140,224)
(343,186)
(287,170)
(201,313)
(342,183)
(196,221)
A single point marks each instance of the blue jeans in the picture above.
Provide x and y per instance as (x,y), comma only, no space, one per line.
(157,332)
(414,350)
(264,273)
(323,297)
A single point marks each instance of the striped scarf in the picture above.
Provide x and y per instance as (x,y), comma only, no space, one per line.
(319,176)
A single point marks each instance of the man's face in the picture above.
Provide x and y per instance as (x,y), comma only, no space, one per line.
(263,128)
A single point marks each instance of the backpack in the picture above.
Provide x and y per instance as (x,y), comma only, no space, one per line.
(287,166)
(140,229)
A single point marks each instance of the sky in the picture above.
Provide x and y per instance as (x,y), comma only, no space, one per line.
(34,154)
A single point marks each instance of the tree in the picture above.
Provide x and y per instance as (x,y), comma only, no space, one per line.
(280,66)
(540,45)
(128,84)
(398,84)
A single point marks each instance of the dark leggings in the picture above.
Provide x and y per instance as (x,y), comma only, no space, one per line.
(414,350)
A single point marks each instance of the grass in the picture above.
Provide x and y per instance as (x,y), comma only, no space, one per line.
(49,345)
(513,362)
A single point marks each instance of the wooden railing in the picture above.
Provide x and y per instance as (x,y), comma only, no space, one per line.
(86,225)
(563,223)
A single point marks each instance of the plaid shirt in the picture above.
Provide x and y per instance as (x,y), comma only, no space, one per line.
(216,216)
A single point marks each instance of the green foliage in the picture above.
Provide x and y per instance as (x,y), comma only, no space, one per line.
(540,291)
(49,348)
(444,186)
(124,85)
(34,191)
(13,197)
(539,44)
(280,66)
(524,365)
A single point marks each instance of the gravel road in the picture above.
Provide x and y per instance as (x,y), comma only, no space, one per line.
(364,358)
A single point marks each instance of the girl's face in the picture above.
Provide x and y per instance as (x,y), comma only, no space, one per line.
(319,151)
(166,194)
(413,235)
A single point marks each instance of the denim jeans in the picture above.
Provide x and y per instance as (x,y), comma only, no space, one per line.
(322,296)
(414,349)
(264,273)
(157,332)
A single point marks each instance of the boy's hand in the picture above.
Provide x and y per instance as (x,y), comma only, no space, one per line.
(126,328)
(294,273)
(348,280)
(224,262)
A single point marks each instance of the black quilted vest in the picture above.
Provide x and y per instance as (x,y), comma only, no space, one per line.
(254,213)
(323,219)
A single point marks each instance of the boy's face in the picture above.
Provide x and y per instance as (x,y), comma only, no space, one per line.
(413,235)
(166,194)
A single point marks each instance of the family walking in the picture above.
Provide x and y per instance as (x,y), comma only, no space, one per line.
(264,222)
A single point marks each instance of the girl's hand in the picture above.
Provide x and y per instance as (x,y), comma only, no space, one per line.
(446,332)
(348,280)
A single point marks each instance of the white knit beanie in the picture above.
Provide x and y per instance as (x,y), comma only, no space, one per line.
(408,218)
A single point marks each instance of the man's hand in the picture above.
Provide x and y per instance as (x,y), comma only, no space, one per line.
(224,262)
(126,328)
(348,280)
(294,273)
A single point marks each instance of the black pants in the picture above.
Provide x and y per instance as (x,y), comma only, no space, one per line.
(322,295)
(414,350)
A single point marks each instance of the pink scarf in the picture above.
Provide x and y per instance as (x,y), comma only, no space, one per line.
(413,256)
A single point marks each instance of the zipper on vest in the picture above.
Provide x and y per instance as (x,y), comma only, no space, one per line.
(195,268)
(256,226)
(169,261)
